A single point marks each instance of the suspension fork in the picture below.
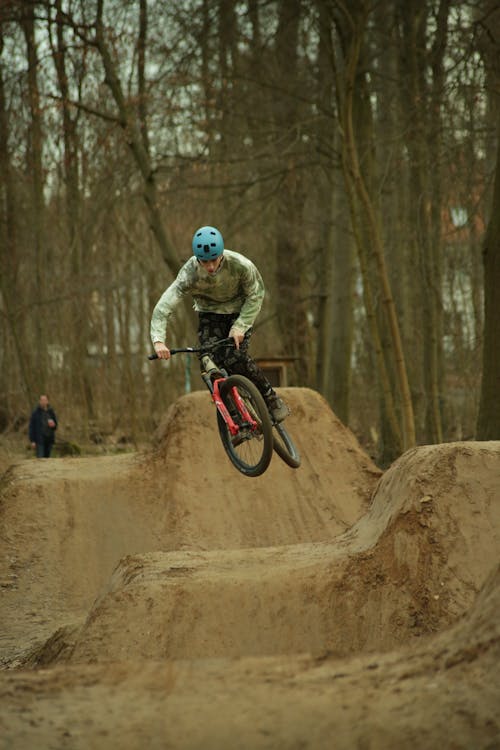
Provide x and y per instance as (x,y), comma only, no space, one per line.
(239,403)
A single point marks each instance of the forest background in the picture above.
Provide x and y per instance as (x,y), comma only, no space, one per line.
(350,149)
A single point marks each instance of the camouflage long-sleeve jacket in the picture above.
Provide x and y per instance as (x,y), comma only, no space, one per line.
(237,287)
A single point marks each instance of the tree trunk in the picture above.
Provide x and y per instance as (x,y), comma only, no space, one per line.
(488,422)
(228,130)
(335,312)
(141,73)
(357,188)
(9,254)
(336,261)
(37,210)
(80,378)
(389,187)
(435,261)
(290,230)
(134,134)
(422,113)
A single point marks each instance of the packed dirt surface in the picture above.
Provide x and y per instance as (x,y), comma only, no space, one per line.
(163,600)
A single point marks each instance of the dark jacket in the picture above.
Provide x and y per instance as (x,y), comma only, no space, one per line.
(39,429)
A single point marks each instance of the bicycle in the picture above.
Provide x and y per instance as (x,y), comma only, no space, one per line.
(247,431)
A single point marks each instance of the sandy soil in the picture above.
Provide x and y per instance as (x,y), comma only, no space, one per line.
(162,600)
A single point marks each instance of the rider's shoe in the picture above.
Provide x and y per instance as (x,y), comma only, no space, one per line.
(277,408)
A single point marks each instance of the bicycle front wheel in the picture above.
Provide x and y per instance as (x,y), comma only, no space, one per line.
(251,450)
(285,447)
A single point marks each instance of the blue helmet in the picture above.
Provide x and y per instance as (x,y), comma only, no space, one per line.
(207,243)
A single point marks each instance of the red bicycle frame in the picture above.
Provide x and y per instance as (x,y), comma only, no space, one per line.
(240,404)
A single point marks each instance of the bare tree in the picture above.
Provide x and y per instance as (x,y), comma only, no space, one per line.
(336,249)
(290,199)
(422,95)
(35,170)
(488,421)
(134,129)
(351,27)
(9,255)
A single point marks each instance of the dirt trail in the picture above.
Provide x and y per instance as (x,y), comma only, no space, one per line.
(441,693)
(174,603)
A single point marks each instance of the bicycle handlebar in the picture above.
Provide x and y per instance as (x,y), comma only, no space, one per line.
(197,349)
(188,349)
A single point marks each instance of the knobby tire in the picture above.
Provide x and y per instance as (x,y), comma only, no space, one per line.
(285,447)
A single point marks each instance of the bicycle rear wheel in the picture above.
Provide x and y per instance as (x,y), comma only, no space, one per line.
(285,447)
(251,450)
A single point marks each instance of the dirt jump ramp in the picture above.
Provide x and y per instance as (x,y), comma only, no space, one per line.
(66,523)
(441,692)
(412,565)
(209,505)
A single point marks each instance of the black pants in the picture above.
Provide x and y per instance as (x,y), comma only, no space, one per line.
(44,447)
(215,326)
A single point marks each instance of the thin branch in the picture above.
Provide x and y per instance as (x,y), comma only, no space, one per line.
(86,108)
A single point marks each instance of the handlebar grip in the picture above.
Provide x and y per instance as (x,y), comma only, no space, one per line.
(153,356)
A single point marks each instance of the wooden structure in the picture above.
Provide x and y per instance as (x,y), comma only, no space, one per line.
(276,369)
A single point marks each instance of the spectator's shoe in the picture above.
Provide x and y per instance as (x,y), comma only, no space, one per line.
(277,408)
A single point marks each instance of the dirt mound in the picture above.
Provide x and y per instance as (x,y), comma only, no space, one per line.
(66,523)
(209,505)
(252,613)
(409,567)
(443,692)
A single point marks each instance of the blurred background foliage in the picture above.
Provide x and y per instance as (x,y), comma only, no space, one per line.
(348,149)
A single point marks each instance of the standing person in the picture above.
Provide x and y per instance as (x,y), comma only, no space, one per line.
(43,426)
(228,291)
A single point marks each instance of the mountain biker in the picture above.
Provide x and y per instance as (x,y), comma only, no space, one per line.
(228,291)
